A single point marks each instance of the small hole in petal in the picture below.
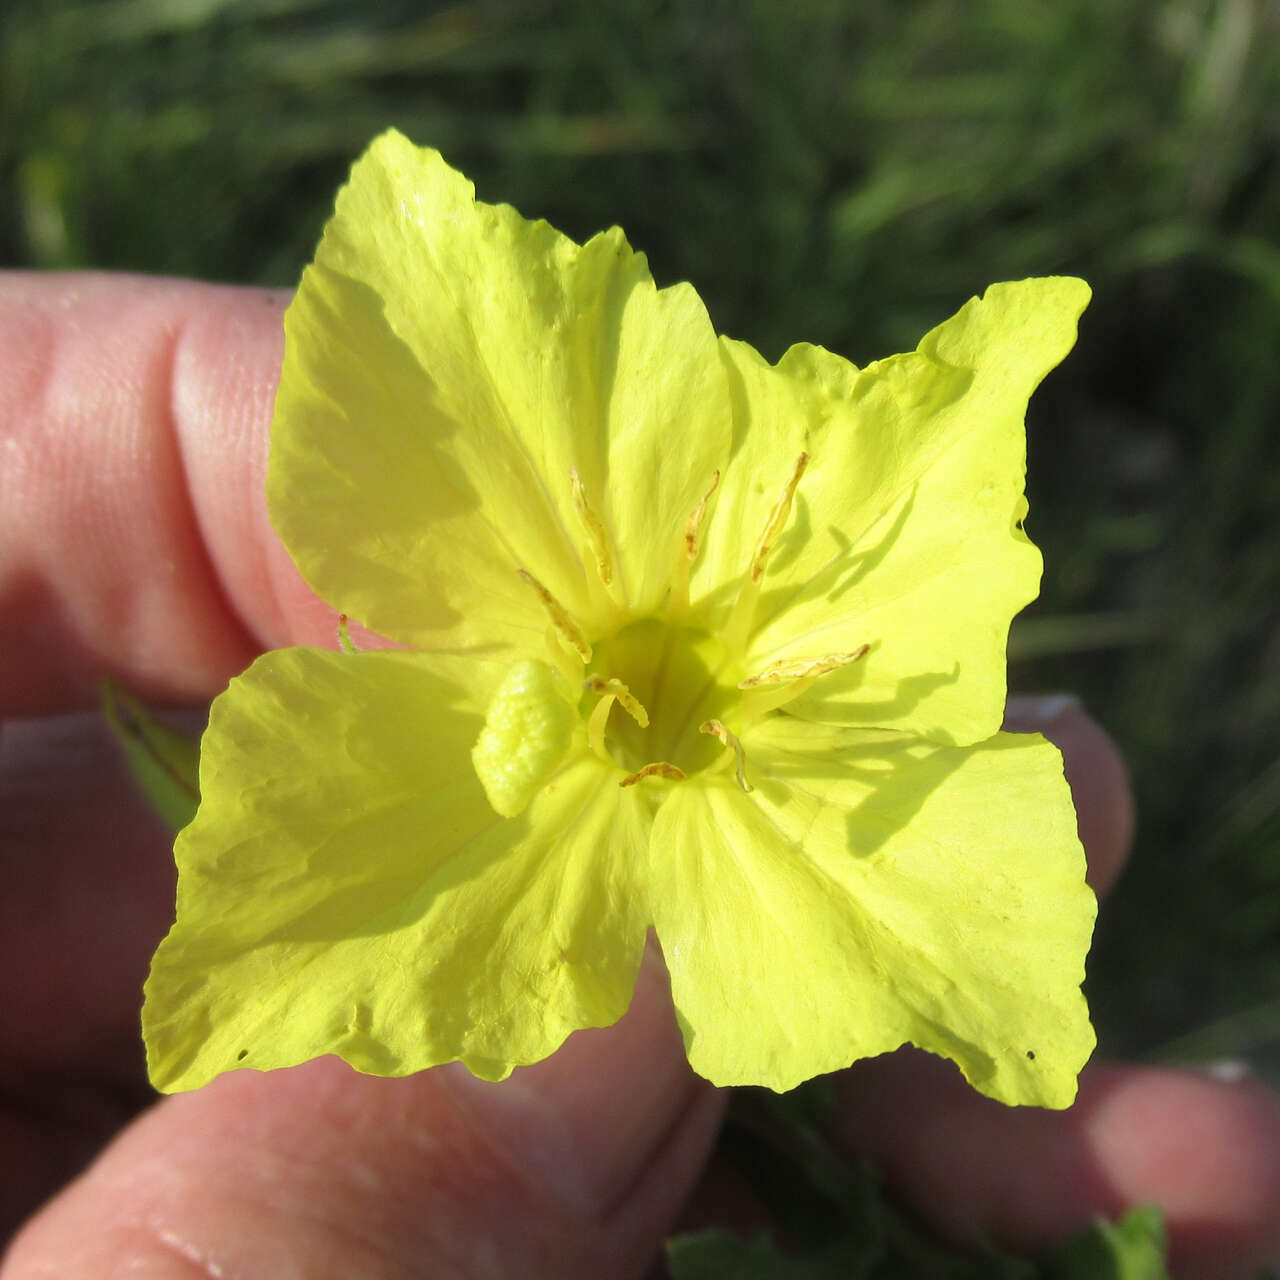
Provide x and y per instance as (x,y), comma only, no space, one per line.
(1031,1055)
(242,1055)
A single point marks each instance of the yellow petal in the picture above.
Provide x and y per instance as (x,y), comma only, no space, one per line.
(906,529)
(873,890)
(466,394)
(346,888)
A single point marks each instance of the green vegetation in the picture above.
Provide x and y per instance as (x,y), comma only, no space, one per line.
(846,174)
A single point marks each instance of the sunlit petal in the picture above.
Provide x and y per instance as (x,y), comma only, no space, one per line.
(346,887)
(874,890)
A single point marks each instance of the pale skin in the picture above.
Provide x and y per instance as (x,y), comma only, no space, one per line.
(134,540)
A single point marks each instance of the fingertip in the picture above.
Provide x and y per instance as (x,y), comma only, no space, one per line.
(575,1168)
(226,370)
(1206,1151)
(1095,772)
(134,538)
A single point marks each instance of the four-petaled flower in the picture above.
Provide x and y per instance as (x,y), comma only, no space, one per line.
(692,643)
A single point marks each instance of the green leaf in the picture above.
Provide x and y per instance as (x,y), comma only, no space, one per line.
(814,1196)
(1131,1249)
(838,1221)
(164,762)
(721,1255)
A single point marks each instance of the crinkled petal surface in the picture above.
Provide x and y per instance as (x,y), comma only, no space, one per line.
(906,532)
(346,888)
(876,889)
(488,444)
(447,363)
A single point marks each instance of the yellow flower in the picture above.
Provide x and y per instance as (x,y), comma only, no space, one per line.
(693,643)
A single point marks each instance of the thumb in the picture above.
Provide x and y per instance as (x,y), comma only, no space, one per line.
(574,1167)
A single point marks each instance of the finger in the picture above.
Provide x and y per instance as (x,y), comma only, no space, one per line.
(94,914)
(134,537)
(1095,772)
(574,1167)
(86,892)
(1206,1151)
(134,430)
(1100,790)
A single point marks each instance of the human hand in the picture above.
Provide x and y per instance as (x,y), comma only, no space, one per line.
(134,540)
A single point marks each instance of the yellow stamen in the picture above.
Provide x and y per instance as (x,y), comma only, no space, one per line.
(595,727)
(738,629)
(658,769)
(777,521)
(784,681)
(730,740)
(626,699)
(678,599)
(693,527)
(592,527)
(568,630)
(788,669)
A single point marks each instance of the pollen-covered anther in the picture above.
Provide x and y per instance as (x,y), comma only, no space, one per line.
(678,599)
(777,520)
(693,526)
(788,669)
(567,629)
(717,730)
(626,699)
(658,769)
(593,527)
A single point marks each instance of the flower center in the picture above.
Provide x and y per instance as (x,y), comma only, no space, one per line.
(661,698)
(678,678)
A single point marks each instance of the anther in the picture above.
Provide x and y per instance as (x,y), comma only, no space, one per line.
(788,669)
(658,769)
(592,527)
(717,730)
(777,521)
(626,699)
(738,629)
(693,527)
(566,628)
(678,598)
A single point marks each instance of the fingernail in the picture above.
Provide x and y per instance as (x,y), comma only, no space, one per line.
(1034,713)
(1229,1071)
(585,1123)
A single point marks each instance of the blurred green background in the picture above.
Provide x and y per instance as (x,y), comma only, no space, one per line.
(844,173)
